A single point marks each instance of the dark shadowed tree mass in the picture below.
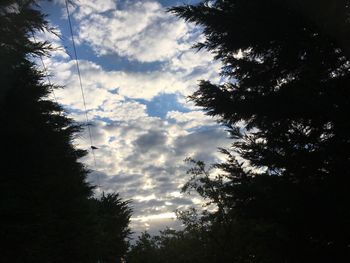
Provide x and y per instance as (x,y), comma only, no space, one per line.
(171,246)
(282,195)
(112,227)
(47,213)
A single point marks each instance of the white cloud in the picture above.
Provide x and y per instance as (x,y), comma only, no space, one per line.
(99,83)
(88,7)
(141,31)
(190,120)
(120,110)
(142,159)
(140,156)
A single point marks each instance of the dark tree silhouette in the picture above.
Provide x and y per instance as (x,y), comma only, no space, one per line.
(46,210)
(144,250)
(286,104)
(112,228)
(172,246)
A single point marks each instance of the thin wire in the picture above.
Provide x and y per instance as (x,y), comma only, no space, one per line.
(81,85)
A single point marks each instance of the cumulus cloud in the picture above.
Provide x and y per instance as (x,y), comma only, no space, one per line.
(87,7)
(140,155)
(140,30)
(190,120)
(135,85)
(143,160)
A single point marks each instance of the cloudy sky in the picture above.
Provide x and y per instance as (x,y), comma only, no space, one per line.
(137,69)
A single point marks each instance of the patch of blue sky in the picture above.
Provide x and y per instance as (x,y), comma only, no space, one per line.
(103,119)
(161,104)
(110,62)
(71,110)
(113,62)
(169,3)
(165,3)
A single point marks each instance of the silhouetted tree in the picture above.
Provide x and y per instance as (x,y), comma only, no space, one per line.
(144,250)
(113,217)
(171,246)
(286,104)
(46,210)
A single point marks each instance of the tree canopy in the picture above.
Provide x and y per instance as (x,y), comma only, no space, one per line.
(47,212)
(283,189)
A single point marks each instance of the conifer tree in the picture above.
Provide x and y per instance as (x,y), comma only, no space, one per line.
(112,228)
(286,104)
(47,213)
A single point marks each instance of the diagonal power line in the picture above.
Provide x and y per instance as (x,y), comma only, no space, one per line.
(81,87)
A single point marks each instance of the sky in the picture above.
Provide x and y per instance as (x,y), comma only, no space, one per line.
(137,68)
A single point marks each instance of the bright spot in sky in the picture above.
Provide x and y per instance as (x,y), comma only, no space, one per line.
(169,215)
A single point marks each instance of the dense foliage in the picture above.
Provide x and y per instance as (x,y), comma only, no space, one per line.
(47,213)
(169,246)
(112,228)
(282,195)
